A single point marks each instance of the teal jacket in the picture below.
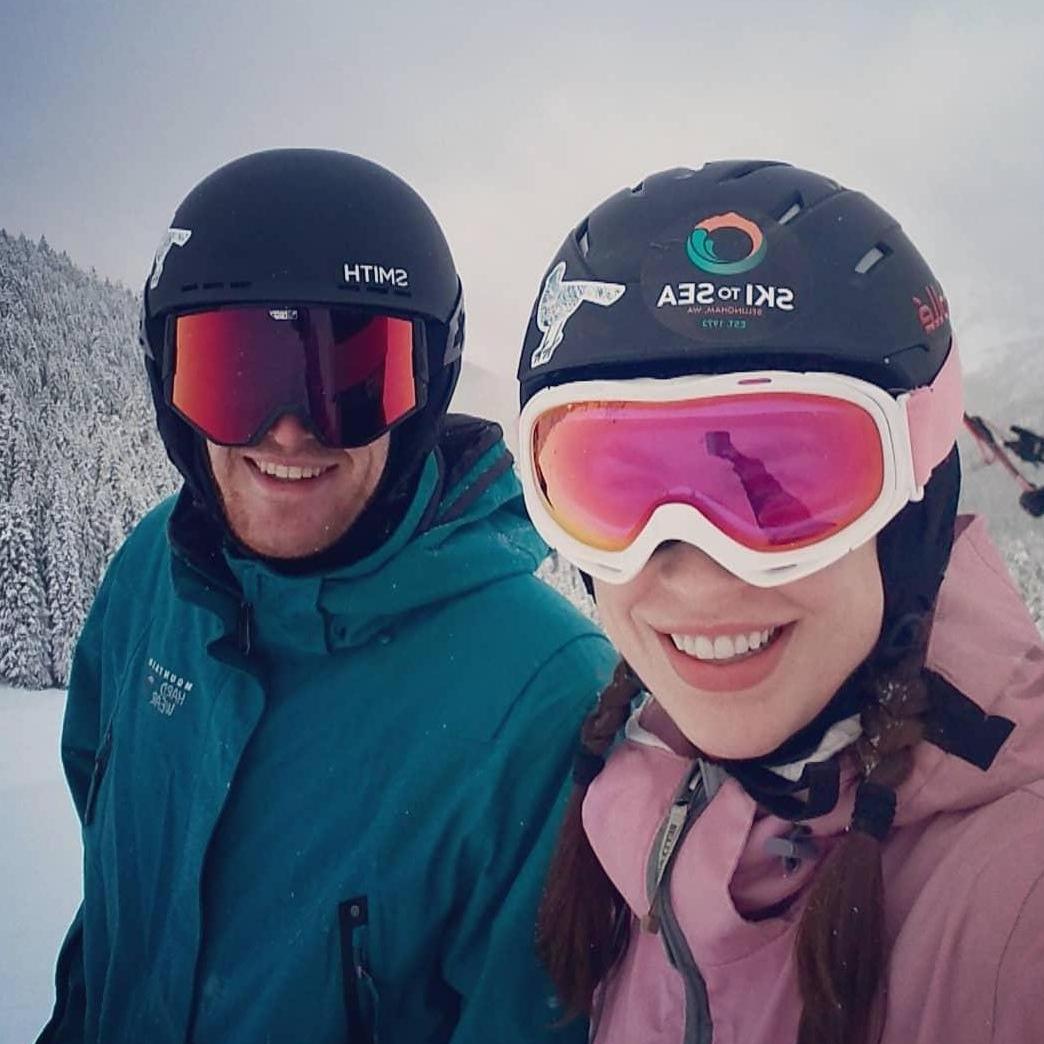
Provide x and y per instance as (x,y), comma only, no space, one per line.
(320,809)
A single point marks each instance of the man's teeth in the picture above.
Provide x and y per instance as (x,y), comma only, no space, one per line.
(723,648)
(283,472)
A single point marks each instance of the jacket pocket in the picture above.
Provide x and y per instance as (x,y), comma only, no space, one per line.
(360,994)
(101,762)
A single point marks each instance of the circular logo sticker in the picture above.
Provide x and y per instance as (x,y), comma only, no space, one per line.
(727,233)
(726,277)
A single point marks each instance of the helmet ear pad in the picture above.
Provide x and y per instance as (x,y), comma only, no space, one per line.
(913,552)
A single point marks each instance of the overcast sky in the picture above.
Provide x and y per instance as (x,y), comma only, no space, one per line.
(514,119)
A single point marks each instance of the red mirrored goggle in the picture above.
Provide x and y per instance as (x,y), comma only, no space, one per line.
(348,375)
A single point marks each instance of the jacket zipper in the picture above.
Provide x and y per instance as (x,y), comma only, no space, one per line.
(101,761)
(688,804)
(360,994)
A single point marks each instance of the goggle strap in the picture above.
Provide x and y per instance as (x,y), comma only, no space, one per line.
(934,414)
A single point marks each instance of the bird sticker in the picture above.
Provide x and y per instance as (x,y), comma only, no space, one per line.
(559,299)
(171,238)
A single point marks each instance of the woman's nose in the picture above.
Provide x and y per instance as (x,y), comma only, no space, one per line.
(683,568)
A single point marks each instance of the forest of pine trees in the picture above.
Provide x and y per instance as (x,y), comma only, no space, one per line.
(80,459)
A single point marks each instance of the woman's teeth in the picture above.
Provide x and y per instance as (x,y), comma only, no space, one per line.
(283,472)
(721,648)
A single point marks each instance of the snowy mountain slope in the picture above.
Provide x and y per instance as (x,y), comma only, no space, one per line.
(1008,388)
(40,859)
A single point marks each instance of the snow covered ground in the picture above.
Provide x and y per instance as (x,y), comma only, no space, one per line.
(39,859)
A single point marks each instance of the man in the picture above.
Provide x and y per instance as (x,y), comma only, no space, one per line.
(321,713)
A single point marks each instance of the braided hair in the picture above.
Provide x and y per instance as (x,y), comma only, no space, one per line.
(840,948)
(583,925)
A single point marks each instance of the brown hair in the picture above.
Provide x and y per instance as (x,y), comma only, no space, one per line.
(583,926)
(584,923)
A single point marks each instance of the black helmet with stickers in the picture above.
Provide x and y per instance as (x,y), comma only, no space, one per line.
(737,265)
(306,226)
(745,265)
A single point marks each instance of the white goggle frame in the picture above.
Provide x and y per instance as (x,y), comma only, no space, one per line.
(902,481)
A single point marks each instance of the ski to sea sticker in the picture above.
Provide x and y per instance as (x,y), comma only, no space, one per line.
(725,305)
(171,238)
(559,299)
(702,249)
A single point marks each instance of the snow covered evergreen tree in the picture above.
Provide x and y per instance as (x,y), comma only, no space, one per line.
(80,459)
(24,658)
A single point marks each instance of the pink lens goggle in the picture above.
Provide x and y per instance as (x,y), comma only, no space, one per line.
(773,474)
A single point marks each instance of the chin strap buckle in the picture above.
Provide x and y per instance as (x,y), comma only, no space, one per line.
(794,847)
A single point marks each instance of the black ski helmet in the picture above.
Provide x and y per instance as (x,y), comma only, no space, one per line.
(306,226)
(756,265)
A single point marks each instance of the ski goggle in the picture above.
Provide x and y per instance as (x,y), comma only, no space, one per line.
(773,474)
(348,375)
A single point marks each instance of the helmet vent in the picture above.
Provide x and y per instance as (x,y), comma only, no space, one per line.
(638,189)
(741,170)
(795,208)
(187,287)
(213,286)
(873,257)
(240,284)
(582,241)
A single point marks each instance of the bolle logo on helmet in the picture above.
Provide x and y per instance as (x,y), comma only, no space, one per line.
(559,299)
(171,238)
(736,234)
(934,311)
(376,275)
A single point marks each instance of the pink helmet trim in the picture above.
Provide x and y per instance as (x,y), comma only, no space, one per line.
(935,413)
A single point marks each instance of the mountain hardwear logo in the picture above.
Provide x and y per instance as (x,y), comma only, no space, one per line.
(559,300)
(735,235)
(172,237)
(167,689)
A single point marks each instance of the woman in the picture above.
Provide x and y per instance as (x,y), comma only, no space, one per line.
(820,813)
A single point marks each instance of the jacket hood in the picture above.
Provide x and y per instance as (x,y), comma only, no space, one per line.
(464,528)
(983,642)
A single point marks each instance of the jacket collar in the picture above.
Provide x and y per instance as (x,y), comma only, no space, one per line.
(464,528)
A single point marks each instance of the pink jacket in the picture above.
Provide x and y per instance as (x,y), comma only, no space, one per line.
(963,865)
